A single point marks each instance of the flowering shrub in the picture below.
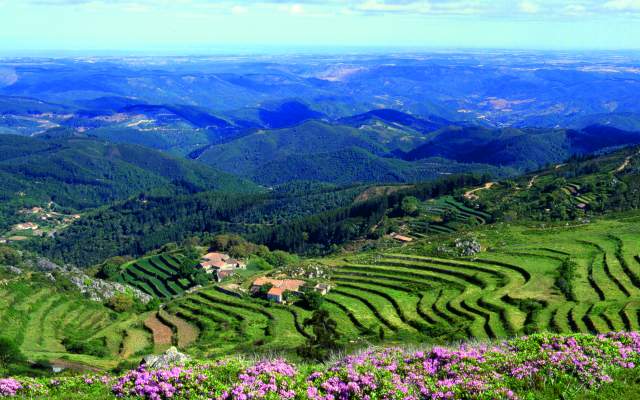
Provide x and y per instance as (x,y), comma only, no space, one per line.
(509,370)
(9,387)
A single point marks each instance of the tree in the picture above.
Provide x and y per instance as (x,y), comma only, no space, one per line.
(410,206)
(9,352)
(259,263)
(311,300)
(121,302)
(264,289)
(324,339)
(9,256)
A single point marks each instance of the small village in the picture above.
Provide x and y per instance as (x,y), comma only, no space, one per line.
(279,289)
(38,222)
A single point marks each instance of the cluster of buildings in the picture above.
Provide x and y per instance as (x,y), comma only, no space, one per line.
(220,264)
(280,286)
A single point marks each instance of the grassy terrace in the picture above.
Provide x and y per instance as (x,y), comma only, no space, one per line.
(443,216)
(156,275)
(399,295)
(507,290)
(38,318)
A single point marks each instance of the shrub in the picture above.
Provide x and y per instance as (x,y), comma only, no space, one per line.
(259,263)
(9,256)
(95,347)
(566,275)
(121,302)
(324,339)
(410,206)
(9,352)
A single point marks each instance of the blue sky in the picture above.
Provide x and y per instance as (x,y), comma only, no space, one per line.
(203,26)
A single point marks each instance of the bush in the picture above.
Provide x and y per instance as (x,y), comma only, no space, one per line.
(566,275)
(311,300)
(121,302)
(9,256)
(259,263)
(324,339)
(95,347)
(110,269)
(279,258)
(9,352)
(410,206)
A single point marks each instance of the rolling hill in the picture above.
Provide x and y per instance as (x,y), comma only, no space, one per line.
(524,149)
(81,173)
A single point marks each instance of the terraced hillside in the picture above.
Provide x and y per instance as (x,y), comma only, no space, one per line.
(444,215)
(157,276)
(513,287)
(39,318)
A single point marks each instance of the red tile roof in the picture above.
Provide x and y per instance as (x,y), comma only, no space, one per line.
(275,291)
(284,284)
(215,257)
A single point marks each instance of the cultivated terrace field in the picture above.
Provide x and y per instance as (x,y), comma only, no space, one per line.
(530,275)
(564,279)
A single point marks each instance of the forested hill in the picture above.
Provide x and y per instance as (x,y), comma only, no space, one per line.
(311,221)
(314,221)
(82,173)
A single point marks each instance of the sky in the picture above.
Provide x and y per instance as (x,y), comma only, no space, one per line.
(30,27)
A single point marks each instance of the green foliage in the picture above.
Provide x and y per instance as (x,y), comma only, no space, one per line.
(324,339)
(311,300)
(66,171)
(121,302)
(9,256)
(9,353)
(566,276)
(410,206)
(111,268)
(92,347)
(290,223)
(259,263)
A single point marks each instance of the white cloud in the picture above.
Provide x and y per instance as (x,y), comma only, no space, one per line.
(237,10)
(378,6)
(496,8)
(529,7)
(623,5)
(575,10)
(296,9)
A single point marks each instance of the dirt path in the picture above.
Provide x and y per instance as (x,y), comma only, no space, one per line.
(187,333)
(471,194)
(532,181)
(162,334)
(626,162)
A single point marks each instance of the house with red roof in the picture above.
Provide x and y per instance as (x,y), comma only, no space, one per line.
(278,287)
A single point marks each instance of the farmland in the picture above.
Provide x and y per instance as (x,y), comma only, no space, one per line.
(444,215)
(157,275)
(39,318)
(405,294)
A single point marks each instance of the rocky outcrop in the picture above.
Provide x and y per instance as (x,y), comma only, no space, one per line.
(171,358)
(94,288)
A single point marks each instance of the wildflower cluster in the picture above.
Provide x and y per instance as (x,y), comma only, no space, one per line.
(9,387)
(509,370)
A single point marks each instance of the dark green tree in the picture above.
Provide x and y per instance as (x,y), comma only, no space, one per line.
(410,206)
(9,353)
(312,300)
(324,339)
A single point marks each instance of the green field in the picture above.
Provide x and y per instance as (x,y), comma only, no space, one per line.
(442,216)
(157,275)
(509,289)
(39,317)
